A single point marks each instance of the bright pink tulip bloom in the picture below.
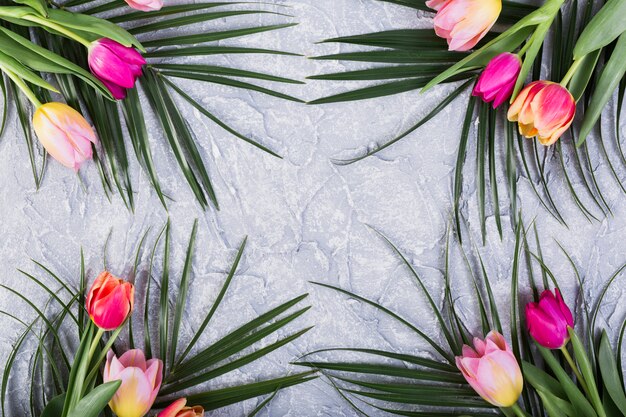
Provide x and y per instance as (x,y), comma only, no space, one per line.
(464,22)
(110,301)
(543,109)
(178,409)
(498,79)
(65,134)
(548,320)
(492,370)
(141,381)
(116,65)
(145,5)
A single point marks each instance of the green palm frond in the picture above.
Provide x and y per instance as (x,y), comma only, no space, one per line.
(405,60)
(406,384)
(188,364)
(158,85)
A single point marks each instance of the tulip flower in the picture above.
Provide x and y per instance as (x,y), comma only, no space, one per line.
(141,381)
(145,5)
(492,370)
(64,133)
(543,109)
(498,79)
(116,65)
(464,22)
(178,409)
(110,301)
(548,320)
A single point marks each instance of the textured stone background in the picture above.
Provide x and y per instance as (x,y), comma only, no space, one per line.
(305,217)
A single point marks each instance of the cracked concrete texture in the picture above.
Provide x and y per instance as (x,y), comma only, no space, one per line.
(305,217)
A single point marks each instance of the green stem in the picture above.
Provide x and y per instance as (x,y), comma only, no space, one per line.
(570,72)
(58,28)
(22,86)
(572,365)
(527,45)
(92,374)
(518,411)
(94,344)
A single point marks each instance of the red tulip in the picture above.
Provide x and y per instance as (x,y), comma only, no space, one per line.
(544,109)
(549,319)
(498,79)
(178,409)
(110,301)
(492,370)
(464,22)
(116,65)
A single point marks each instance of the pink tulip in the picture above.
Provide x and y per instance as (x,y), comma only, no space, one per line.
(492,370)
(145,5)
(549,319)
(109,301)
(498,79)
(116,65)
(464,22)
(178,409)
(141,381)
(65,134)
(544,109)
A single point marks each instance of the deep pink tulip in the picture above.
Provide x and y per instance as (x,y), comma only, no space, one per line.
(548,320)
(179,409)
(543,109)
(110,301)
(492,370)
(141,381)
(64,133)
(145,5)
(464,22)
(498,79)
(116,65)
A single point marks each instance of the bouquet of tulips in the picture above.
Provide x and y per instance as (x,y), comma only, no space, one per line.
(545,368)
(135,382)
(530,70)
(78,71)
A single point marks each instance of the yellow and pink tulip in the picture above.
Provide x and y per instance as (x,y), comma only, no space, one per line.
(141,381)
(492,370)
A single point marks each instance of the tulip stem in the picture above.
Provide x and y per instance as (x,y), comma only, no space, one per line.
(572,365)
(22,86)
(58,28)
(570,72)
(94,344)
(518,411)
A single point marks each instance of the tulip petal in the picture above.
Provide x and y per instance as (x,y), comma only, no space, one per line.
(132,399)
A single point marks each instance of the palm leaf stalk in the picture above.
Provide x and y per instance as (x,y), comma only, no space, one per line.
(50,38)
(416,59)
(189,363)
(407,384)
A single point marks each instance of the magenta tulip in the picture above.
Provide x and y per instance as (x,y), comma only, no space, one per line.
(549,319)
(464,22)
(498,79)
(141,381)
(116,65)
(492,370)
(543,109)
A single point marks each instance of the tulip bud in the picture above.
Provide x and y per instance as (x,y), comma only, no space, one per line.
(178,409)
(464,22)
(543,109)
(498,79)
(548,320)
(116,65)
(110,301)
(64,133)
(145,5)
(141,381)
(492,370)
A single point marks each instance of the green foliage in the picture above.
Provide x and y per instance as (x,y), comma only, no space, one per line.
(65,390)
